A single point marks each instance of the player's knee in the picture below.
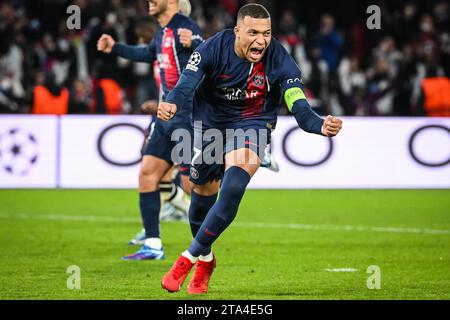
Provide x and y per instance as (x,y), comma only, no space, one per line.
(199,190)
(205,190)
(149,179)
(186,185)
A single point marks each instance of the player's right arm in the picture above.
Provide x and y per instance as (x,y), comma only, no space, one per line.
(292,90)
(106,44)
(200,62)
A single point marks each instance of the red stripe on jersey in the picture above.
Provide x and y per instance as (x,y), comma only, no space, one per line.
(255,91)
(170,61)
(157,75)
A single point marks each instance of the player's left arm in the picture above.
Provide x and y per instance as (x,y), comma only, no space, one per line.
(293,93)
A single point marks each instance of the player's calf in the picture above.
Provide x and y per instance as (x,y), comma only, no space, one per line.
(223,211)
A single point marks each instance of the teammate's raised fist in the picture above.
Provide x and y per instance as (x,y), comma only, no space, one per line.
(166,111)
(105,43)
(331,126)
(185,37)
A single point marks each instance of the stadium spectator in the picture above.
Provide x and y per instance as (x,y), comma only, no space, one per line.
(11,62)
(406,26)
(435,94)
(288,29)
(441,15)
(387,51)
(316,78)
(378,97)
(352,82)
(404,86)
(49,97)
(108,96)
(330,42)
(414,35)
(79,99)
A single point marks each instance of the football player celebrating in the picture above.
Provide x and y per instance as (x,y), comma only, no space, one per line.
(237,78)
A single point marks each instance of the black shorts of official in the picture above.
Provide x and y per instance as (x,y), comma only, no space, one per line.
(203,167)
(160,145)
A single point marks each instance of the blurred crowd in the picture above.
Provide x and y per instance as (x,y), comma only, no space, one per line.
(402,69)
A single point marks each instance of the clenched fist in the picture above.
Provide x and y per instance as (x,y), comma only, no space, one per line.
(331,126)
(105,43)
(166,111)
(185,37)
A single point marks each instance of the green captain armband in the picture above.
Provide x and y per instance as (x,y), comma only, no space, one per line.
(292,95)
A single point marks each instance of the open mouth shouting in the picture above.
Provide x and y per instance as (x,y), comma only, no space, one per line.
(256,53)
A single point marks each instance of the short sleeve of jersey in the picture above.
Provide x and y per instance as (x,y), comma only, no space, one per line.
(289,73)
(202,60)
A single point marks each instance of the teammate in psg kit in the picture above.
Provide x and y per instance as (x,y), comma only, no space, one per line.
(237,79)
(176,39)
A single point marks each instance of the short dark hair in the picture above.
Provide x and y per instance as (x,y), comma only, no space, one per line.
(253,10)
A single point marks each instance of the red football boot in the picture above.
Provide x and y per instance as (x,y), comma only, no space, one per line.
(200,280)
(173,280)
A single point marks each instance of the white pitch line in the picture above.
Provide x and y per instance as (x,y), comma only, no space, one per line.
(341,270)
(65,217)
(297,226)
(326,227)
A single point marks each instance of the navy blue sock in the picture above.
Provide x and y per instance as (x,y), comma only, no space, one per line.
(150,204)
(223,212)
(200,205)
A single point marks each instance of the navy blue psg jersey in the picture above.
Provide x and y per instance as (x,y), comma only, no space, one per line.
(172,57)
(232,92)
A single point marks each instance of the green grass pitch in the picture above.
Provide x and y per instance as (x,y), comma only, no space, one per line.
(282,245)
